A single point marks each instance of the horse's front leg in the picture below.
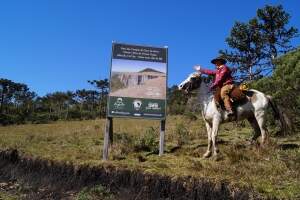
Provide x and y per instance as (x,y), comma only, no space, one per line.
(214,133)
(209,141)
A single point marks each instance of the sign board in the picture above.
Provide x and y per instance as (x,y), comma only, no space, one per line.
(138,81)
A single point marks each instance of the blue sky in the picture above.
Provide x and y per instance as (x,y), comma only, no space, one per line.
(122,65)
(57,45)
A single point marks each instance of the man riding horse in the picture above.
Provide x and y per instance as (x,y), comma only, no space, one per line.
(223,80)
(251,106)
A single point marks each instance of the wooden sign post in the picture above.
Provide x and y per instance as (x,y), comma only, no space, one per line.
(108,137)
(162,137)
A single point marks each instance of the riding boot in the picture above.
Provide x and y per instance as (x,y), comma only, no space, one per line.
(227,104)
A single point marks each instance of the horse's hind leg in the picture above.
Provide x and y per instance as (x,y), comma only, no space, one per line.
(253,122)
(209,141)
(260,117)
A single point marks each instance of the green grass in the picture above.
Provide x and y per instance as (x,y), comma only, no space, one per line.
(96,192)
(7,196)
(273,171)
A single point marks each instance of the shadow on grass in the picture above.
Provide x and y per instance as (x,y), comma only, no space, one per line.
(288,146)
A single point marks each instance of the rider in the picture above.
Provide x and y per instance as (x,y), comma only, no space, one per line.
(223,80)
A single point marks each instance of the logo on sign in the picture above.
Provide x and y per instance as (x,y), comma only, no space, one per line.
(137,104)
(153,106)
(119,103)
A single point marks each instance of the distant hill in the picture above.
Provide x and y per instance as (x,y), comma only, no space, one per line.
(150,70)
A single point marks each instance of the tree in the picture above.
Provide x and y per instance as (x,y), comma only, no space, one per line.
(176,101)
(103,87)
(273,21)
(7,89)
(255,44)
(16,102)
(247,42)
(19,105)
(287,83)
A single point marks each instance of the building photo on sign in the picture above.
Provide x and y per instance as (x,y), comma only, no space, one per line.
(138,81)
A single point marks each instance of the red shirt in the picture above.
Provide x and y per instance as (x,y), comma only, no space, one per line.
(222,76)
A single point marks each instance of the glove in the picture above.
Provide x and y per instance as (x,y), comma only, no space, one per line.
(197,67)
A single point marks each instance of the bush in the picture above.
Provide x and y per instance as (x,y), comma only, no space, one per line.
(191,116)
(148,141)
(96,192)
(176,101)
(40,119)
(6,119)
(123,144)
(181,134)
(88,115)
(74,114)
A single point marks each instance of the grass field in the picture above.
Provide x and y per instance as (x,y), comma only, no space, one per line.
(273,171)
(6,196)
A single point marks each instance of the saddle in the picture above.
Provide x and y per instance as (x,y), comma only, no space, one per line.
(238,96)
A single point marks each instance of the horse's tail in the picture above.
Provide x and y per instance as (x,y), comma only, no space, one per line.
(285,122)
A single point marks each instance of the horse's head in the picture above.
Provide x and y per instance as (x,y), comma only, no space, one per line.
(192,82)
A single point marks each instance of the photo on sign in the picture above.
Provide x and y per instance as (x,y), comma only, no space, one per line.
(138,79)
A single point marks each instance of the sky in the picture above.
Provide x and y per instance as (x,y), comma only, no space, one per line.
(57,45)
(124,65)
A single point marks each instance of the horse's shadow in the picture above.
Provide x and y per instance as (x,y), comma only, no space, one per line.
(223,142)
(288,146)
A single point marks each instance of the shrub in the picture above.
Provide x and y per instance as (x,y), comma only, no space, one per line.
(40,118)
(191,116)
(123,145)
(181,134)
(74,114)
(8,119)
(286,80)
(96,192)
(148,141)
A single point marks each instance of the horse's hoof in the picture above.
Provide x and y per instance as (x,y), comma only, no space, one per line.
(207,154)
(217,157)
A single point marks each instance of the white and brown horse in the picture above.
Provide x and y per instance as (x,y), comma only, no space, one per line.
(254,110)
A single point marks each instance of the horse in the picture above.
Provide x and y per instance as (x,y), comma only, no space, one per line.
(253,109)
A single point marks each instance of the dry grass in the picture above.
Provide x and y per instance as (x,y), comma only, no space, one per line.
(7,196)
(273,171)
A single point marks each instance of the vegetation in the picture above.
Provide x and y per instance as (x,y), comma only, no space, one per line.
(20,189)
(20,105)
(286,81)
(258,42)
(7,196)
(176,101)
(96,192)
(272,171)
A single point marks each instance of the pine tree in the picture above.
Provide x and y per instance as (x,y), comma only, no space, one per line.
(255,44)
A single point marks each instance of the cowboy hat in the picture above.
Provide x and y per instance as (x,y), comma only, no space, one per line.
(219,59)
